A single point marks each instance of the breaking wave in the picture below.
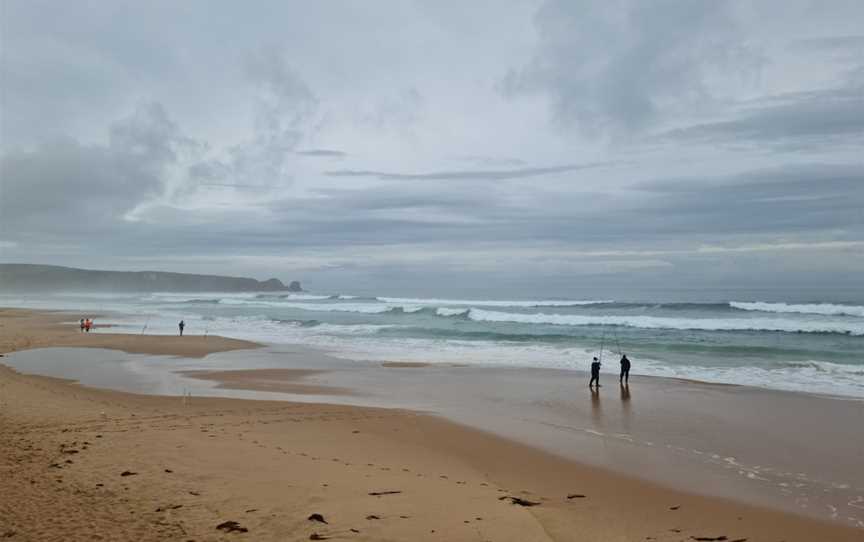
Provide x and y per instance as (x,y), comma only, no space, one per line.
(493,303)
(798,345)
(827,309)
(660,322)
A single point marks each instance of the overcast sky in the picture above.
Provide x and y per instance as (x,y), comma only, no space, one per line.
(435,145)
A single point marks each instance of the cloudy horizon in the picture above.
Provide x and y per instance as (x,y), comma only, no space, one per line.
(540,145)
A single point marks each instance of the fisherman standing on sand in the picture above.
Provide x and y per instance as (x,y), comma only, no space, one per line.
(595,373)
(624,379)
(181,325)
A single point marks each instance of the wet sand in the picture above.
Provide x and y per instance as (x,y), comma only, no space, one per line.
(77,462)
(730,441)
(22,329)
(272,380)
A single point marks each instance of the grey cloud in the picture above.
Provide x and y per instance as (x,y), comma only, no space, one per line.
(405,199)
(783,200)
(612,66)
(491,160)
(829,43)
(284,99)
(327,153)
(398,110)
(792,178)
(786,201)
(801,121)
(149,134)
(490,175)
(789,201)
(265,96)
(284,107)
(848,50)
(65,186)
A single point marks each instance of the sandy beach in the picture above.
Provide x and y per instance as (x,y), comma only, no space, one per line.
(80,463)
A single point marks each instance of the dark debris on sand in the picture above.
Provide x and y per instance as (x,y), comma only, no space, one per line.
(169,507)
(231,527)
(519,500)
(317,517)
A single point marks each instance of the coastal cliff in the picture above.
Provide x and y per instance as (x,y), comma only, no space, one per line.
(27,277)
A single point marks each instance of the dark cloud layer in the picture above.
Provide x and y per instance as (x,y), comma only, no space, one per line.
(799,198)
(809,121)
(491,175)
(831,43)
(322,152)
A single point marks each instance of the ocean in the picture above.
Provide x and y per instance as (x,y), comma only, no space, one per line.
(815,347)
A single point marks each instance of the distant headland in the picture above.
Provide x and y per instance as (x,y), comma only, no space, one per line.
(29,277)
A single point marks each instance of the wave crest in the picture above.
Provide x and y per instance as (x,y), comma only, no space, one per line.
(493,303)
(661,322)
(827,309)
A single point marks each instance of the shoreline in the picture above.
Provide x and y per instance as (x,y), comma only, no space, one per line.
(132,345)
(427,442)
(38,328)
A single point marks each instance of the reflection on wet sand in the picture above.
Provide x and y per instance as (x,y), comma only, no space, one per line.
(625,407)
(596,408)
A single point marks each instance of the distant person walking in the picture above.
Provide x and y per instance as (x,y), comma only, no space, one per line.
(625,370)
(88,323)
(82,325)
(181,325)
(595,373)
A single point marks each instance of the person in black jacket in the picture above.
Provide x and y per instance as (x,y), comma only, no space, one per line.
(595,373)
(625,371)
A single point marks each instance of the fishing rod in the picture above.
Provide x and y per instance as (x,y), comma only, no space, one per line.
(602,341)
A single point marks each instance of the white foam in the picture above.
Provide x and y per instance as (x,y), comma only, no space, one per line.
(661,322)
(828,309)
(364,342)
(352,329)
(178,297)
(492,303)
(445,311)
(307,297)
(365,308)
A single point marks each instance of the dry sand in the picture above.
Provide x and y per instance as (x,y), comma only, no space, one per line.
(89,464)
